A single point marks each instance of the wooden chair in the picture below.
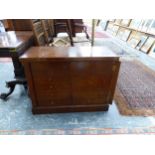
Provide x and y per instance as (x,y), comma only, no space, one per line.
(78,26)
(63,25)
(51,25)
(47,30)
(70,26)
(60,25)
(38,33)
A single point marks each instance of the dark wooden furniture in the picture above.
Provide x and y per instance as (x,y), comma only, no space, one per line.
(63,25)
(51,24)
(5,23)
(19,24)
(39,33)
(47,30)
(13,44)
(60,25)
(70,26)
(69,79)
(78,26)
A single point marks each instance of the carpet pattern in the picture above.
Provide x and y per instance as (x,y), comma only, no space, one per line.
(87,131)
(135,91)
(98,34)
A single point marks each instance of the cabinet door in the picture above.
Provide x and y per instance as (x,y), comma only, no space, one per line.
(91,82)
(52,84)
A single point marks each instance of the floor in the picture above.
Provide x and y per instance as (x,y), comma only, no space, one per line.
(15,113)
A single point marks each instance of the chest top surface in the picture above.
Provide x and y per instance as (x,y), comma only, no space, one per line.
(70,53)
(12,39)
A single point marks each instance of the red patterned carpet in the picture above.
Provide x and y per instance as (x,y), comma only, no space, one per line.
(98,34)
(135,91)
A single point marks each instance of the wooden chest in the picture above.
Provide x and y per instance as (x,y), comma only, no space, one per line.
(69,79)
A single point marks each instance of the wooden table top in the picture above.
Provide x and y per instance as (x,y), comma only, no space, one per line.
(13,39)
(42,53)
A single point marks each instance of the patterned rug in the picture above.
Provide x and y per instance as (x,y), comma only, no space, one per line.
(98,34)
(135,90)
(86,131)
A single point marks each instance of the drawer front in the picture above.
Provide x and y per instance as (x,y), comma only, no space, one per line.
(91,81)
(52,84)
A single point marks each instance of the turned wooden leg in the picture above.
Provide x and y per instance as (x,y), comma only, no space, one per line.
(11,85)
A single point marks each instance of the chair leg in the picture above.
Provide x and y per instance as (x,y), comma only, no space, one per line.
(85,30)
(69,29)
(87,36)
